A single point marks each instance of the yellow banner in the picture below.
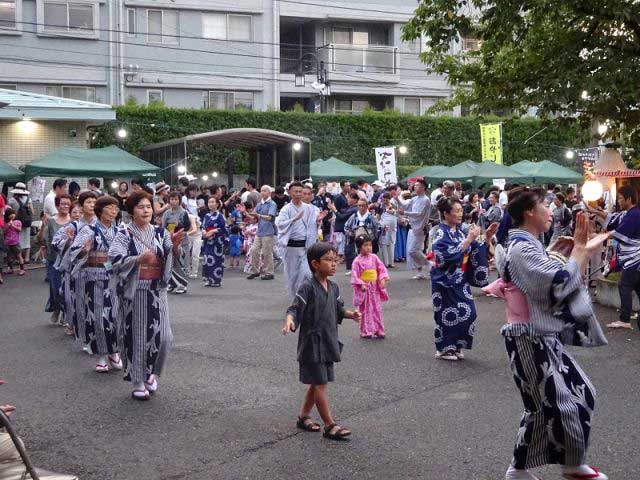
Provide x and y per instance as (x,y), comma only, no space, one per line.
(491,142)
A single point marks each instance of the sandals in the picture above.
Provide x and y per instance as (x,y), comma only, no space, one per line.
(115,362)
(140,394)
(151,386)
(339,434)
(102,368)
(308,425)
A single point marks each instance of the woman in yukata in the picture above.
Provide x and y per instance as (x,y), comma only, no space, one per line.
(141,256)
(461,261)
(89,255)
(214,237)
(369,279)
(558,397)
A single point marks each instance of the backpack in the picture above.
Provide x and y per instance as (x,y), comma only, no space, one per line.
(24,214)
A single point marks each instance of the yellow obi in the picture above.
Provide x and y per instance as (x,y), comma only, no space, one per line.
(369,275)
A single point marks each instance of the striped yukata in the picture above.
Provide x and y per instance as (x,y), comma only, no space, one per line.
(99,301)
(71,283)
(145,326)
(558,397)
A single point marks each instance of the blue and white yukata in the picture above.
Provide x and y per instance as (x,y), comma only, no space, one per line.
(99,301)
(558,397)
(451,280)
(213,249)
(145,326)
(71,282)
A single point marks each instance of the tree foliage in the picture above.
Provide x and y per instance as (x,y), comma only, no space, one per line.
(430,140)
(572,60)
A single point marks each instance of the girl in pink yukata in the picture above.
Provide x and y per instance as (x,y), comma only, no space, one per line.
(249,233)
(369,279)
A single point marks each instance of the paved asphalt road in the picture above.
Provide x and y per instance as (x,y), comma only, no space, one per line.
(227,403)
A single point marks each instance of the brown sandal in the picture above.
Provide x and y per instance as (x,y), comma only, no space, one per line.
(308,425)
(339,434)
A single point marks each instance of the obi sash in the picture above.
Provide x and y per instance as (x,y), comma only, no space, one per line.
(96,259)
(369,275)
(151,270)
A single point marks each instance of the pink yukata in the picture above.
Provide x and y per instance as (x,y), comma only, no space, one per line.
(370,271)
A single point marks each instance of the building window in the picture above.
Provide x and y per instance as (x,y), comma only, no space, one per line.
(471,44)
(87,94)
(9,86)
(162,26)
(220,26)
(412,106)
(229,100)
(154,96)
(8,14)
(131,22)
(351,106)
(69,17)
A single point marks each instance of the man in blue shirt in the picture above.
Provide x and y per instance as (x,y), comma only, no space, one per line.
(265,211)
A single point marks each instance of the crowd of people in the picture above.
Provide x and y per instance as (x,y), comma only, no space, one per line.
(113,259)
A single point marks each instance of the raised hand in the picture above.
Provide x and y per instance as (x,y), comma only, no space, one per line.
(177,237)
(491,231)
(474,232)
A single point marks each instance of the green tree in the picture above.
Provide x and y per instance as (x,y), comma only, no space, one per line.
(572,60)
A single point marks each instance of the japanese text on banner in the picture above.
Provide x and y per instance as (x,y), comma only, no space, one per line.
(491,142)
(386,164)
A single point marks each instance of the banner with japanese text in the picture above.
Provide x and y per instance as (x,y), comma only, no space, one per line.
(491,142)
(386,165)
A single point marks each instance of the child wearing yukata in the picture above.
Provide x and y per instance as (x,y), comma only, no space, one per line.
(249,233)
(235,247)
(369,279)
(317,310)
(214,236)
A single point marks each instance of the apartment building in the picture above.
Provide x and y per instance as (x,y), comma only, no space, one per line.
(223,54)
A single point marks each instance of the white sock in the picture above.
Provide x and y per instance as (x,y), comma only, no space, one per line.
(138,386)
(580,469)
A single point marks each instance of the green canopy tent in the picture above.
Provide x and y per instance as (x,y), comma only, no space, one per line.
(9,173)
(547,171)
(335,169)
(428,171)
(98,162)
(318,162)
(479,173)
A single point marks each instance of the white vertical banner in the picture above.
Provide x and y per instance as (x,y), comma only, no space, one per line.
(386,165)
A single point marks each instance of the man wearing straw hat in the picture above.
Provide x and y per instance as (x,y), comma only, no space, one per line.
(21,204)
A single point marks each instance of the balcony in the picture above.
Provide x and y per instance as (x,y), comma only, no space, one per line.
(345,58)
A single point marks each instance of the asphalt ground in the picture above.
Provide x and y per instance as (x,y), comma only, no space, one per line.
(227,403)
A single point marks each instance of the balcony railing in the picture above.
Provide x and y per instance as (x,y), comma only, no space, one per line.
(294,60)
(361,58)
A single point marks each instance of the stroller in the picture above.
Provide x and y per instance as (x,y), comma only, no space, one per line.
(19,467)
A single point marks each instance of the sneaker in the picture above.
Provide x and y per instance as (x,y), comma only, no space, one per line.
(448,355)
(266,277)
(252,276)
(620,324)
(584,472)
(513,474)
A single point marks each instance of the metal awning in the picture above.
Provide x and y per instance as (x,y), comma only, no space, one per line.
(248,138)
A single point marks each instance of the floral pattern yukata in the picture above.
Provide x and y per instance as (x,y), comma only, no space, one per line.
(99,301)
(451,280)
(145,326)
(369,270)
(213,248)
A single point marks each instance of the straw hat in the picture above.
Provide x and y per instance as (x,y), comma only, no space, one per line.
(161,187)
(20,189)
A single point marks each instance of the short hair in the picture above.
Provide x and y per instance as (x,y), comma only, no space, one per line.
(191,187)
(7,214)
(362,239)
(135,181)
(94,182)
(569,191)
(521,200)
(147,189)
(551,186)
(307,186)
(175,194)
(84,196)
(386,195)
(392,187)
(344,182)
(183,181)
(103,202)
(58,198)
(319,250)
(627,191)
(135,198)
(495,194)
(74,188)
(445,204)
(354,196)
(422,182)
(561,197)
(249,205)
(279,190)
(295,184)
(59,182)
(251,181)
(360,182)
(472,194)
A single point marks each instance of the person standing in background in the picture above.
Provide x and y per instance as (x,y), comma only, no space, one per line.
(59,187)
(21,204)
(417,211)
(265,212)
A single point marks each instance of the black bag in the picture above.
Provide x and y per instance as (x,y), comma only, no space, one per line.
(24,214)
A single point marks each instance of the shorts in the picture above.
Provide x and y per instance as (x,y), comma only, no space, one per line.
(316,373)
(13,251)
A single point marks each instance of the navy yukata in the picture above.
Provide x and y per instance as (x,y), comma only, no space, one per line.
(317,313)
(213,248)
(451,280)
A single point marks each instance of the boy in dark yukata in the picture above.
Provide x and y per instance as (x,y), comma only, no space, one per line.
(318,309)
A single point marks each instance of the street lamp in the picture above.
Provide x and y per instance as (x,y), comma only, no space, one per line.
(205,178)
(214,174)
(182,169)
(297,146)
(122,133)
(321,85)
(402,149)
(569,154)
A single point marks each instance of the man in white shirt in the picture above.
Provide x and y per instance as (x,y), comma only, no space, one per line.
(417,212)
(503,199)
(59,187)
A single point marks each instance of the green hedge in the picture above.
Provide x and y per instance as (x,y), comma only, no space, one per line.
(430,140)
